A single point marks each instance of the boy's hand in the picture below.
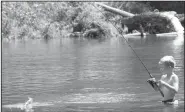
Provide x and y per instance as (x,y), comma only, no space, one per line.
(151,80)
(153,83)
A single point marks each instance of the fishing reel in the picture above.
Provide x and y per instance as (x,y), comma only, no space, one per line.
(152,82)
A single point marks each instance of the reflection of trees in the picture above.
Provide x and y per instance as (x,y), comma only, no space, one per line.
(79,59)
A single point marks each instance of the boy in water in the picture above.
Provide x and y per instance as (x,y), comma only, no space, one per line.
(169,82)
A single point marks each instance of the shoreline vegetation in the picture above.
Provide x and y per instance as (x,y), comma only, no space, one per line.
(47,20)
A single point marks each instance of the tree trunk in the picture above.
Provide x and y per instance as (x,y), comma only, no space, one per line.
(115,10)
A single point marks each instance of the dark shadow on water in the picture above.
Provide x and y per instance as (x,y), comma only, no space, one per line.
(99,39)
(86,41)
(46,40)
(149,40)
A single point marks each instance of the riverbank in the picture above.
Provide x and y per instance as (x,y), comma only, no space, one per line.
(48,20)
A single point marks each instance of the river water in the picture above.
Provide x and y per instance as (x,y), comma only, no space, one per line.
(80,75)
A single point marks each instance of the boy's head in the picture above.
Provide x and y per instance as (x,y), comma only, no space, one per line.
(167,63)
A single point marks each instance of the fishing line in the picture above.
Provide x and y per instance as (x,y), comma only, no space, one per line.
(133,51)
(128,45)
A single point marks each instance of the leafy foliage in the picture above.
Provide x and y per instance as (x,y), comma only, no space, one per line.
(48,19)
(23,20)
(151,22)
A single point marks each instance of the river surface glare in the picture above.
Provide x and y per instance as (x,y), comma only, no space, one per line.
(80,75)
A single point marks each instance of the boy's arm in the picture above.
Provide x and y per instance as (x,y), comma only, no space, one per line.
(175,84)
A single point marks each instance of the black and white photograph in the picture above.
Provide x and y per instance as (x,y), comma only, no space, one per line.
(92,56)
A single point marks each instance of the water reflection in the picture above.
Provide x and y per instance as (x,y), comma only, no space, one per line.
(170,108)
(100,98)
(179,40)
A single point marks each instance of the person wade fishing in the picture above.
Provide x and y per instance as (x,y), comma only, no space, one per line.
(168,85)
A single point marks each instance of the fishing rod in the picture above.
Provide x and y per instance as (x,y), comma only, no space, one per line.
(136,55)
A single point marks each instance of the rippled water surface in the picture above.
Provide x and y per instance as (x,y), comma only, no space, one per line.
(79,75)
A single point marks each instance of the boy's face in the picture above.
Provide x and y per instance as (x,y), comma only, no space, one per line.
(164,69)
